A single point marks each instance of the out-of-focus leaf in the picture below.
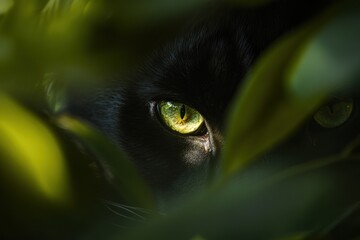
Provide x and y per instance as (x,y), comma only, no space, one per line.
(197,237)
(250,3)
(135,14)
(296,236)
(5,5)
(331,60)
(6,49)
(271,111)
(46,36)
(274,101)
(123,174)
(301,203)
(32,153)
(345,226)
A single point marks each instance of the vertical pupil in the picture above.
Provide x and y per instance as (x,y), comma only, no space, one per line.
(182,111)
(331,109)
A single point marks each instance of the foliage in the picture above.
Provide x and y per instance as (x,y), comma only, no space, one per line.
(43,173)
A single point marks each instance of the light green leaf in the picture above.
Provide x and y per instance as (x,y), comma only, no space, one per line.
(33,154)
(5,6)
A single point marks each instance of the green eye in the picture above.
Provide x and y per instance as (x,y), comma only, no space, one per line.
(335,113)
(180,117)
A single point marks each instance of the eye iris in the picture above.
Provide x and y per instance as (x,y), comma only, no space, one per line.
(335,113)
(179,117)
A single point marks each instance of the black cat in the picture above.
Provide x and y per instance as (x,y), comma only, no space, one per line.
(169,118)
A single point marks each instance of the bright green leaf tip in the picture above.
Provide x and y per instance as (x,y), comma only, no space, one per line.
(5,6)
(34,154)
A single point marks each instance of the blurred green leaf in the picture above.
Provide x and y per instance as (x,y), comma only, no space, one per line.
(197,237)
(331,59)
(39,37)
(250,3)
(250,207)
(5,5)
(123,174)
(6,49)
(277,98)
(271,110)
(296,236)
(345,226)
(137,14)
(33,154)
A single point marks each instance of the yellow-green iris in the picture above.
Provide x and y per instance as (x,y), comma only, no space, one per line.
(180,117)
(334,114)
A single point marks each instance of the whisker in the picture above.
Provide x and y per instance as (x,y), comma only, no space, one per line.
(141,210)
(121,215)
(128,210)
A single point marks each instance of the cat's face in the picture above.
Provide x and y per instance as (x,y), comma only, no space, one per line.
(170,119)
(174,118)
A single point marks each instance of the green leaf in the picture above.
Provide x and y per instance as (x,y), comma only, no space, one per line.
(135,14)
(123,174)
(331,60)
(33,154)
(250,3)
(299,203)
(288,84)
(5,5)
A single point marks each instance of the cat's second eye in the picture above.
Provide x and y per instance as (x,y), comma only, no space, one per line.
(180,117)
(335,113)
